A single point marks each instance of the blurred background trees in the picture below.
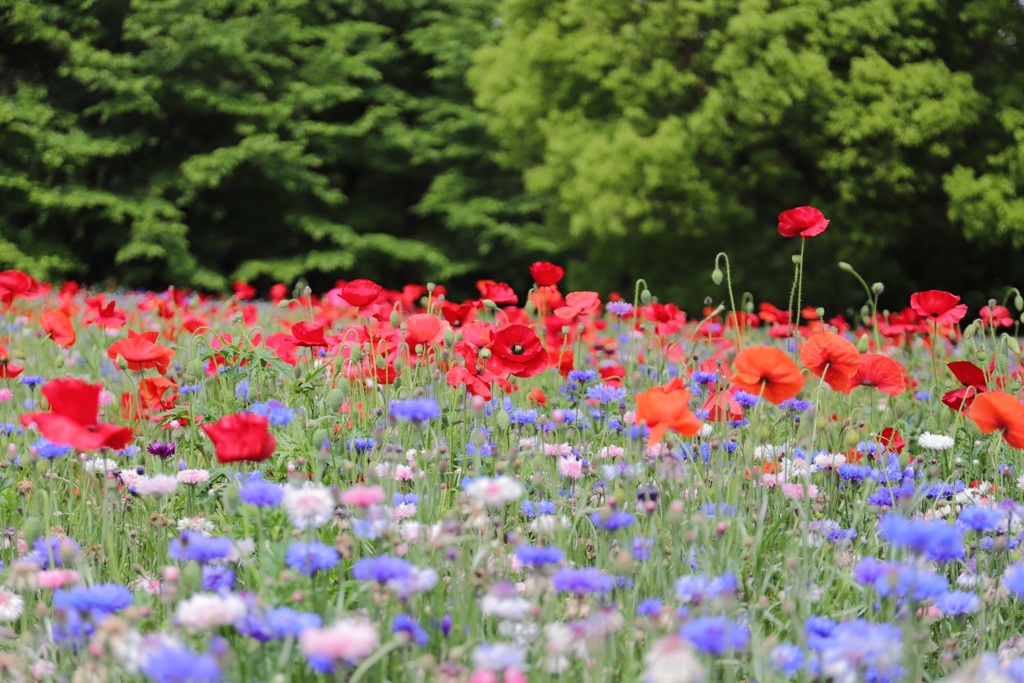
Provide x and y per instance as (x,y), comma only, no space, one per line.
(190,142)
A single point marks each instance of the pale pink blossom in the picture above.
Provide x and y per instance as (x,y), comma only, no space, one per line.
(797,491)
(158,485)
(106,398)
(557,449)
(363,496)
(404,473)
(193,477)
(611,451)
(6,395)
(56,578)
(570,467)
(347,640)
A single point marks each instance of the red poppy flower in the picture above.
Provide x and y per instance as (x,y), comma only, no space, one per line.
(833,358)
(58,327)
(546,274)
(880,372)
(942,307)
(14,283)
(973,380)
(241,437)
(579,304)
(8,370)
(243,290)
(516,350)
(537,396)
(424,329)
(141,351)
(722,406)
(998,316)
(805,221)
(498,292)
(458,315)
(891,440)
(767,372)
(1000,412)
(105,314)
(74,406)
(308,334)
(361,292)
(664,408)
(278,293)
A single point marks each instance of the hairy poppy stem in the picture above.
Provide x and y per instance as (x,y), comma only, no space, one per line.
(732,299)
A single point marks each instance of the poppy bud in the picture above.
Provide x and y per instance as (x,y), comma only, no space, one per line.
(843,265)
(395,319)
(820,312)
(449,338)
(1018,302)
(489,305)
(120,362)
(530,308)
(1012,344)
(307,290)
(863,344)
(503,419)
(716,275)
(485,354)
(381,363)
(284,303)
(60,361)
(1002,364)
(970,330)
(796,259)
(877,288)
(335,398)
(645,296)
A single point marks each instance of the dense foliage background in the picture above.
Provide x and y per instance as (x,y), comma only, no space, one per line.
(189,142)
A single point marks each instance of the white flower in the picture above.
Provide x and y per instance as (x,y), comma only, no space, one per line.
(158,485)
(308,506)
(209,610)
(495,492)
(706,430)
(100,465)
(672,660)
(11,605)
(198,524)
(503,602)
(193,477)
(935,442)
(769,452)
(829,461)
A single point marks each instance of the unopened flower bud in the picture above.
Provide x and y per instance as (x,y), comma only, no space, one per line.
(877,288)
(716,275)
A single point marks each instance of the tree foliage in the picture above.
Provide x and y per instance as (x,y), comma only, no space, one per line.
(659,132)
(189,141)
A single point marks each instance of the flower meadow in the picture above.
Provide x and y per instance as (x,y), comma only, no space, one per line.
(377,485)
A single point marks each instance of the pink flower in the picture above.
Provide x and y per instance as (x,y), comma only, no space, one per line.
(56,578)
(797,491)
(348,640)
(570,467)
(158,485)
(193,477)
(404,473)
(363,496)
(557,449)
(612,451)
(106,398)
(6,395)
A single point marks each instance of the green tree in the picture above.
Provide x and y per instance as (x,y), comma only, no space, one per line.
(190,141)
(660,132)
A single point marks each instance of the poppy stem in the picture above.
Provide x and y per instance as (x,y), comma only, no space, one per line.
(732,299)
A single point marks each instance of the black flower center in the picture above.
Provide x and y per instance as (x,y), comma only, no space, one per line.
(517,350)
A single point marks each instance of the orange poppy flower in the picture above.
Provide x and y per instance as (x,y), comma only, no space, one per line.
(58,327)
(880,372)
(997,411)
(141,351)
(664,408)
(767,372)
(833,358)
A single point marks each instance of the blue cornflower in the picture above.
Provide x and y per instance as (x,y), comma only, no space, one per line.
(619,308)
(787,658)
(649,607)
(955,603)
(261,493)
(745,398)
(404,499)
(52,553)
(535,556)
(899,579)
(701,377)
(922,396)
(285,621)
(696,589)
(943,490)
(641,550)
(9,428)
(612,521)
(857,473)
(49,450)
(310,558)
(178,664)
(890,496)
(242,390)
(31,380)
(361,444)
(606,393)
(874,650)
(218,578)
(277,413)
(192,545)
(719,509)
(382,569)
(582,581)
(582,376)
(187,389)
(531,508)
(795,405)
(403,623)
(934,539)
(1013,579)
(980,518)
(522,416)
(103,598)
(716,635)
(416,410)
(869,447)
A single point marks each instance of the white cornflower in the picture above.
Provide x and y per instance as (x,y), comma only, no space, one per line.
(935,442)
(308,506)
(198,524)
(672,659)
(495,492)
(11,605)
(101,465)
(210,610)
(829,461)
(158,485)
(503,601)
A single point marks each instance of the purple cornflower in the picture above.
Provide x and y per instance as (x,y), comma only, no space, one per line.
(980,518)
(310,558)
(934,539)
(261,493)
(51,553)
(381,569)
(361,444)
(162,449)
(177,664)
(606,393)
(716,635)
(955,603)
(277,413)
(218,578)
(641,550)
(192,545)
(403,623)
(582,581)
(619,308)
(649,607)
(103,598)
(535,556)
(1013,579)
(788,658)
(899,579)
(612,521)
(696,589)
(285,621)
(416,410)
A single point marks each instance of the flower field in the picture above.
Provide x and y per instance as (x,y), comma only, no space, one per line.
(375,485)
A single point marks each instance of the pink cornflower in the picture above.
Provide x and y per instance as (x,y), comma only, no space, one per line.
(611,451)
(348,640)
(106,398)
(404,473)
(52,579)
(193,477)
(557,449)
(570,467)
(6,395)
(158,485)
(363,496)
(797,491)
